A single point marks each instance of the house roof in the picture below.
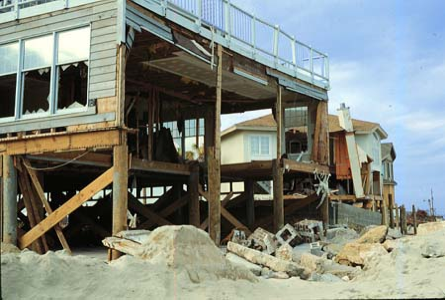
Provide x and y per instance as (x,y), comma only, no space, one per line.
(269,122)
(388,151)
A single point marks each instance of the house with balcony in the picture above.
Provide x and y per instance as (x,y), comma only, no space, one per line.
(109,102)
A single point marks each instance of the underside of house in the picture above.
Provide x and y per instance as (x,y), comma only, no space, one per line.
(111,111)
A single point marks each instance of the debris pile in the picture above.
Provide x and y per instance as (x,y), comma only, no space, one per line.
(186,249)
(303,251)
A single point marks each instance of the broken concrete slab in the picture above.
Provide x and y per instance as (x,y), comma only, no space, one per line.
(341,235)
(241,262)
(310,261)
(354,254)
(257,257)
(373,235)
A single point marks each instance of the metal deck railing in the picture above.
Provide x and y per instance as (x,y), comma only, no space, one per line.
(256,36)
(242,31)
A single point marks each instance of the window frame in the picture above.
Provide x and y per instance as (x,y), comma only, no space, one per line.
(52,111)
(259,155)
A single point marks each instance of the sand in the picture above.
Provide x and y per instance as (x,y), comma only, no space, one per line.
(403,273)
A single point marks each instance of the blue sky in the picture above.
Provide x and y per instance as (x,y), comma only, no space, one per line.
(387,64)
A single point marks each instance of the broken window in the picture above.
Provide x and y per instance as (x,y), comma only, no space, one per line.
(36,91)
(72,68)
(8,78)
(36,76)
(72,86)
(34,84)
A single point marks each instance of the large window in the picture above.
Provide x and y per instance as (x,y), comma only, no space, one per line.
(9,56)
(72,68)
(44,75)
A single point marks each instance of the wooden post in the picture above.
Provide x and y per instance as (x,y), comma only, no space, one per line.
(325,214)
(9,208)
(214,208)
(391,216)
(278,200)
(194,201)
(404,220)
(120,183)
(150,125)
(397,217)
(384,210)
(415,221)
(403,217)
(250,205)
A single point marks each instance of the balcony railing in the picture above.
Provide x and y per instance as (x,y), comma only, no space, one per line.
(262,40)
(242,31)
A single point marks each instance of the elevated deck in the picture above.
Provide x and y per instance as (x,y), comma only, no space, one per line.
(218,21)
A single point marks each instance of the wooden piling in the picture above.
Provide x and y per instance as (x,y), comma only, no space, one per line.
(415,221)
(194,201)
(214,160)
(120,183)
(9,208)
(278,198)
(250,204)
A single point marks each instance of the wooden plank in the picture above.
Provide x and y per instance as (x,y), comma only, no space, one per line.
(71,141)
(160,167)
(224,203)
(71,205)
(38,244)
(167,211)
(293,166)
(41,195)
(234,221)
(135,205)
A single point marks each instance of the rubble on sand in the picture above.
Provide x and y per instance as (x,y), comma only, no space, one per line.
(186,249)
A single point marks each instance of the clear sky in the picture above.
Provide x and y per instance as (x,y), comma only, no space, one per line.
(387,64)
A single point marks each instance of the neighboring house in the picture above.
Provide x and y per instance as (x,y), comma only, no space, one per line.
(248,141)
(256,140)
(368,137)
(388,157)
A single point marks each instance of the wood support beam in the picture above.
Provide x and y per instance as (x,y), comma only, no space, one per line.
(154,218)
(9,200)
(194,198)
(250,204)
(55,142)
(31,214)
(214,160)
(277,170)
(120,185)
(71,205)
(41,195)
